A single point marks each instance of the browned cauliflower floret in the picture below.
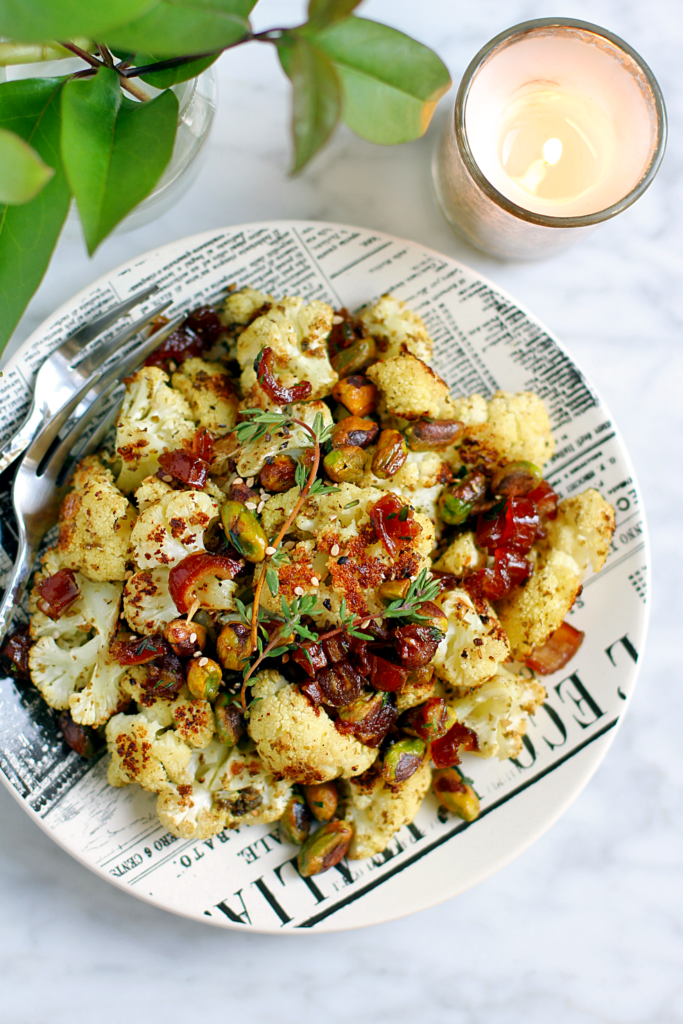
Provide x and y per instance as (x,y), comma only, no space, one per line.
(507,428)
(298,742)
(173,527)
(250,458)
(378,811)
(396,329)
(141,751)
(210,393)
(95,524)
(420,480)
(338,540)
(473,646)
(147,604)
(153,419)
(498,712)
(240,306)
(582,533)
(297,334)
(411,390)
(461,556)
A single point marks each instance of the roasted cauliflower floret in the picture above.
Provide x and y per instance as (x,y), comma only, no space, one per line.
(210,393)
(297,334)
(339,541)
(581,533)
(247,791)
(298,742)
(153,419)
(507,428)
(411,390)
(95,523)
(193,719)
(70,662)
(396,329)
(173,527)
(142,751)
(498,712)
(240,306)
(583,529)
(461,556)
(473,646)
(420,480)
(147,603)
(378,811)
(251,457)
(151,490)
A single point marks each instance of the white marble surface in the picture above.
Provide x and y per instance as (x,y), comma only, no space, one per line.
(587,925)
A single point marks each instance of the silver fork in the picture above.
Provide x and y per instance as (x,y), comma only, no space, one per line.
(70,366)
(42,477)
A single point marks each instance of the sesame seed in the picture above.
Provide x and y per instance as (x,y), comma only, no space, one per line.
(250,482)
(270,550)
(332,518)
(364,625)
(238,480)
(299,591)
(335,549)
(167,479)
(260,507)
(315,581)
(251,505)
(197,654)
(129,574)
(203,662)
(193,638)
(337,319)
(55,635)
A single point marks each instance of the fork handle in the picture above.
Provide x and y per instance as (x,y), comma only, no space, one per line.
(16,584)
(20,441)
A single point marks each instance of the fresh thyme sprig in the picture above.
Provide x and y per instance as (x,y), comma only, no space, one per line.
(422,589)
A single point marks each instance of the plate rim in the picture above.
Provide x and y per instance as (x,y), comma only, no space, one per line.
(605,741)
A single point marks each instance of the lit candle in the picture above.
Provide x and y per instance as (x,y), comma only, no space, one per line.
(558,125)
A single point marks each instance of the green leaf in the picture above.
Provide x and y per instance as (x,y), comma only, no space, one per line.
(272,580)
(316,96)
(29,233)
(390,82)
(114,149)
(38,20)
(325,12)
(22,172)
(174,28)
(173,76)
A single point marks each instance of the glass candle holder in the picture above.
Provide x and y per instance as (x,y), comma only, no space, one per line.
(558,125)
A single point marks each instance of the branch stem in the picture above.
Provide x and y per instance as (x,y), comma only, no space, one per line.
(94,62)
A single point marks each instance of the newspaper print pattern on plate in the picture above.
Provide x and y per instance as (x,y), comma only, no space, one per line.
(247,878)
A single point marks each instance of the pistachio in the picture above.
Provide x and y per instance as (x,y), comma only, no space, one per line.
(234,646)
(244,531)
(429,721)
(433,436)
(324,848)
(458,502)
(357,393)
(353,430)
(454,794)
(369,718)
(345,464)
(516,478)
(180,633)
(402,760)
(204,678)
(230,723)
(431,615)
(295,823)
(355,358)
(393,590)
(391,454)
(278,474)
(322,800)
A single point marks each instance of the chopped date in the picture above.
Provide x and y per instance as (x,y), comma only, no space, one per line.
(182,465)
(557,651)
(57,593)
(336,647)
(339,684)
(140,651)
(78,737)
(393,521)
(368,719)
(195,569)
(445,750)
(416,645)
(165,676)
(266,378)
(16,649)
(198,332)
(386,676)
(310,657)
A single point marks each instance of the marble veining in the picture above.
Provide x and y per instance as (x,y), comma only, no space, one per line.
(585,926)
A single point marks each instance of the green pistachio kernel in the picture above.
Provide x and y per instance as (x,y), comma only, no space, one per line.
(355,358)
(244,531)
(454,794)
(322,799)
(295,823)
(234,646)
(402,760)
(345,464)
(204,678)
(324,848)
(230,723)
(516,478)
(457,502)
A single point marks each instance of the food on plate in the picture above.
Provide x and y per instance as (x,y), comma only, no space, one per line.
(303,580)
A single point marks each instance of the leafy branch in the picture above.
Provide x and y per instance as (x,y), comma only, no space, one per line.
(77,136)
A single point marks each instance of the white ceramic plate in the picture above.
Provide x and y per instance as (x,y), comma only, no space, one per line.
(246,879)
